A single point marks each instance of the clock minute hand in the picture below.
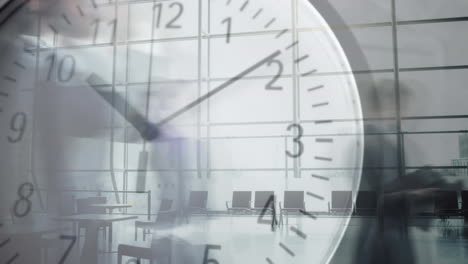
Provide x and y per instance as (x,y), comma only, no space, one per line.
(148,130)
(219,88)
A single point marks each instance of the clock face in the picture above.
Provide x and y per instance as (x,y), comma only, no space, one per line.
(150,101)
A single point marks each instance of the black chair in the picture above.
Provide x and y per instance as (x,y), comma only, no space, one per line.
(166,205)
(261,200)
(83,205)
(366,203)
(196,204)
(464,200)
(135,252)
(198,201)
(241,202)
(161,249)
(446,204)
(165,219)
(96,200)
(293,203)
(341,202)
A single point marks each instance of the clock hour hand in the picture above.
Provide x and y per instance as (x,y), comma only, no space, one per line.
(219,88)
(147,130)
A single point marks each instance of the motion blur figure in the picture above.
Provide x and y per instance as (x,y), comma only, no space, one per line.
(61,116)
(386,238)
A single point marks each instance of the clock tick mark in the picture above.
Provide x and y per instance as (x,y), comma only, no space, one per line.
(285,248)
(299,60)
(8,78)
(316,196)
(228,2)
(281,33)
(324,140)
(3,94)
(298,232)
(323,158)
(246,3)
(19,65)
(4,242)
(320,104)
(66,19)
(258,13)
(29,51)
(93,2)
(292,45)
(315,88)
(80,10)
(307,214)
(309,73)
(270,22)
(12,258)
(321,122)
(320,177)
(269,261)
(53,29)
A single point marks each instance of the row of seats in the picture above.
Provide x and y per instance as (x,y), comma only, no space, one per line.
(445,201)
(242,200)
(263,201)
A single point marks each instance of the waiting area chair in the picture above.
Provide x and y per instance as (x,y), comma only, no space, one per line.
(165,219)
(464,205)
(261,200)
(197,204)
(341,202)
(446,204)
(293,203)
(160,251)
(241,202)
(134,252)
(366,203)
(198,201)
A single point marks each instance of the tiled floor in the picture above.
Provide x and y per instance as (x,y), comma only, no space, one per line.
(243,240)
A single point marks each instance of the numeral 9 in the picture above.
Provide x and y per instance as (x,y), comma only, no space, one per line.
(18,125)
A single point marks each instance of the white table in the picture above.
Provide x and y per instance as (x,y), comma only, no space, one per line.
(111,207)
(92,222)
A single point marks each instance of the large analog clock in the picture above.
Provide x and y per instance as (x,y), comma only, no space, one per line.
(244,115)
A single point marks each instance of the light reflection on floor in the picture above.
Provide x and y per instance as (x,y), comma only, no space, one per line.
(243,240)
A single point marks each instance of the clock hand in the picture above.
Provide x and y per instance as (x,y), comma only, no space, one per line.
(148,130)
(219,88)
(9,8)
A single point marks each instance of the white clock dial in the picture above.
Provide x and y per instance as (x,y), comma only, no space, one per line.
(164,98)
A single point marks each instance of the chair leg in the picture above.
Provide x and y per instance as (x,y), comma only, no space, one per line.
(144,234)
(78,237)
(104,231)
(280,222)
(110,237)
(119,258)
(136,233)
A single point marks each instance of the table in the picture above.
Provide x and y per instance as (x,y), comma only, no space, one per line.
(111,207)
(92,222)
(26,239)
